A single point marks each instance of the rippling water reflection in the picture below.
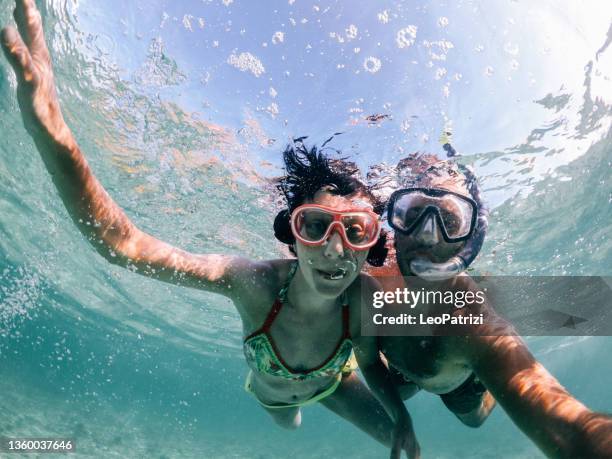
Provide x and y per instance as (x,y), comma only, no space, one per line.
(183,108)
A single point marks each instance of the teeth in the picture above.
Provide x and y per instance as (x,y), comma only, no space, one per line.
(339,274)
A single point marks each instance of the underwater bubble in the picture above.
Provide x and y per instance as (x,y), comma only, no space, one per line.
(278,37)
(405,37)
(20,292)
(165,17)
(272,109)
(446,90)
(440,73)
(371,64)
(511,48)
(339,38)
(383,16)
(351,32)
(246,62)
(187,22)
(438,50)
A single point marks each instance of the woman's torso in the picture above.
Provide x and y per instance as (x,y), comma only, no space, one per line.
(317,340)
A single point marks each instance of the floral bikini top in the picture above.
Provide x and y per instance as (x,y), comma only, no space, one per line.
(262,355)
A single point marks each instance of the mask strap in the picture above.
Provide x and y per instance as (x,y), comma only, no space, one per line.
(474,243)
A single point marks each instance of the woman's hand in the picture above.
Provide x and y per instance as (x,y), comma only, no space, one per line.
(404,439)
(28,54)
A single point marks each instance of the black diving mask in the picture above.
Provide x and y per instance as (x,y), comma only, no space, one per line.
(456,215)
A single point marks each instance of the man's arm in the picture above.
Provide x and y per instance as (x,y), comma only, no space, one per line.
(380,382)
(97,216)
(559,425)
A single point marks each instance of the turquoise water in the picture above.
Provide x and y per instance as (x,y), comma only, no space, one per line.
(186,142)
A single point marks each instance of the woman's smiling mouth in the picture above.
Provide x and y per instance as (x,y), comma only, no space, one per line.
(334,274)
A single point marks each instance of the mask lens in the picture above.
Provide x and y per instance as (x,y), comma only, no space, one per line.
(456,213)
(407,209)
(360,229)
(313,223)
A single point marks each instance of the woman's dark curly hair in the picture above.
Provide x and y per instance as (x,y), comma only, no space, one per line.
(309,170)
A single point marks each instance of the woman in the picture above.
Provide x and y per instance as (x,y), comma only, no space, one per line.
(300,318)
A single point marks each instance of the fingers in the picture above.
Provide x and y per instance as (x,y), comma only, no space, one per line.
(414,451)
(17,53)
(29,23)
(396,449)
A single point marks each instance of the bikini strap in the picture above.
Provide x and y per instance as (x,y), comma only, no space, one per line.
(278,304)
(280,299)
(282,294)
(276,307)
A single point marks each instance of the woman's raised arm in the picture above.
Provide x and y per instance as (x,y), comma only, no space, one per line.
(94,212)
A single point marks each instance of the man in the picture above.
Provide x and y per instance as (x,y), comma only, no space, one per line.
(439,224)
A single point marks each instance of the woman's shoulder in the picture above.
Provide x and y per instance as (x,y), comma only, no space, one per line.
(266,278)
(282,263)
(263,270)
(259,284)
